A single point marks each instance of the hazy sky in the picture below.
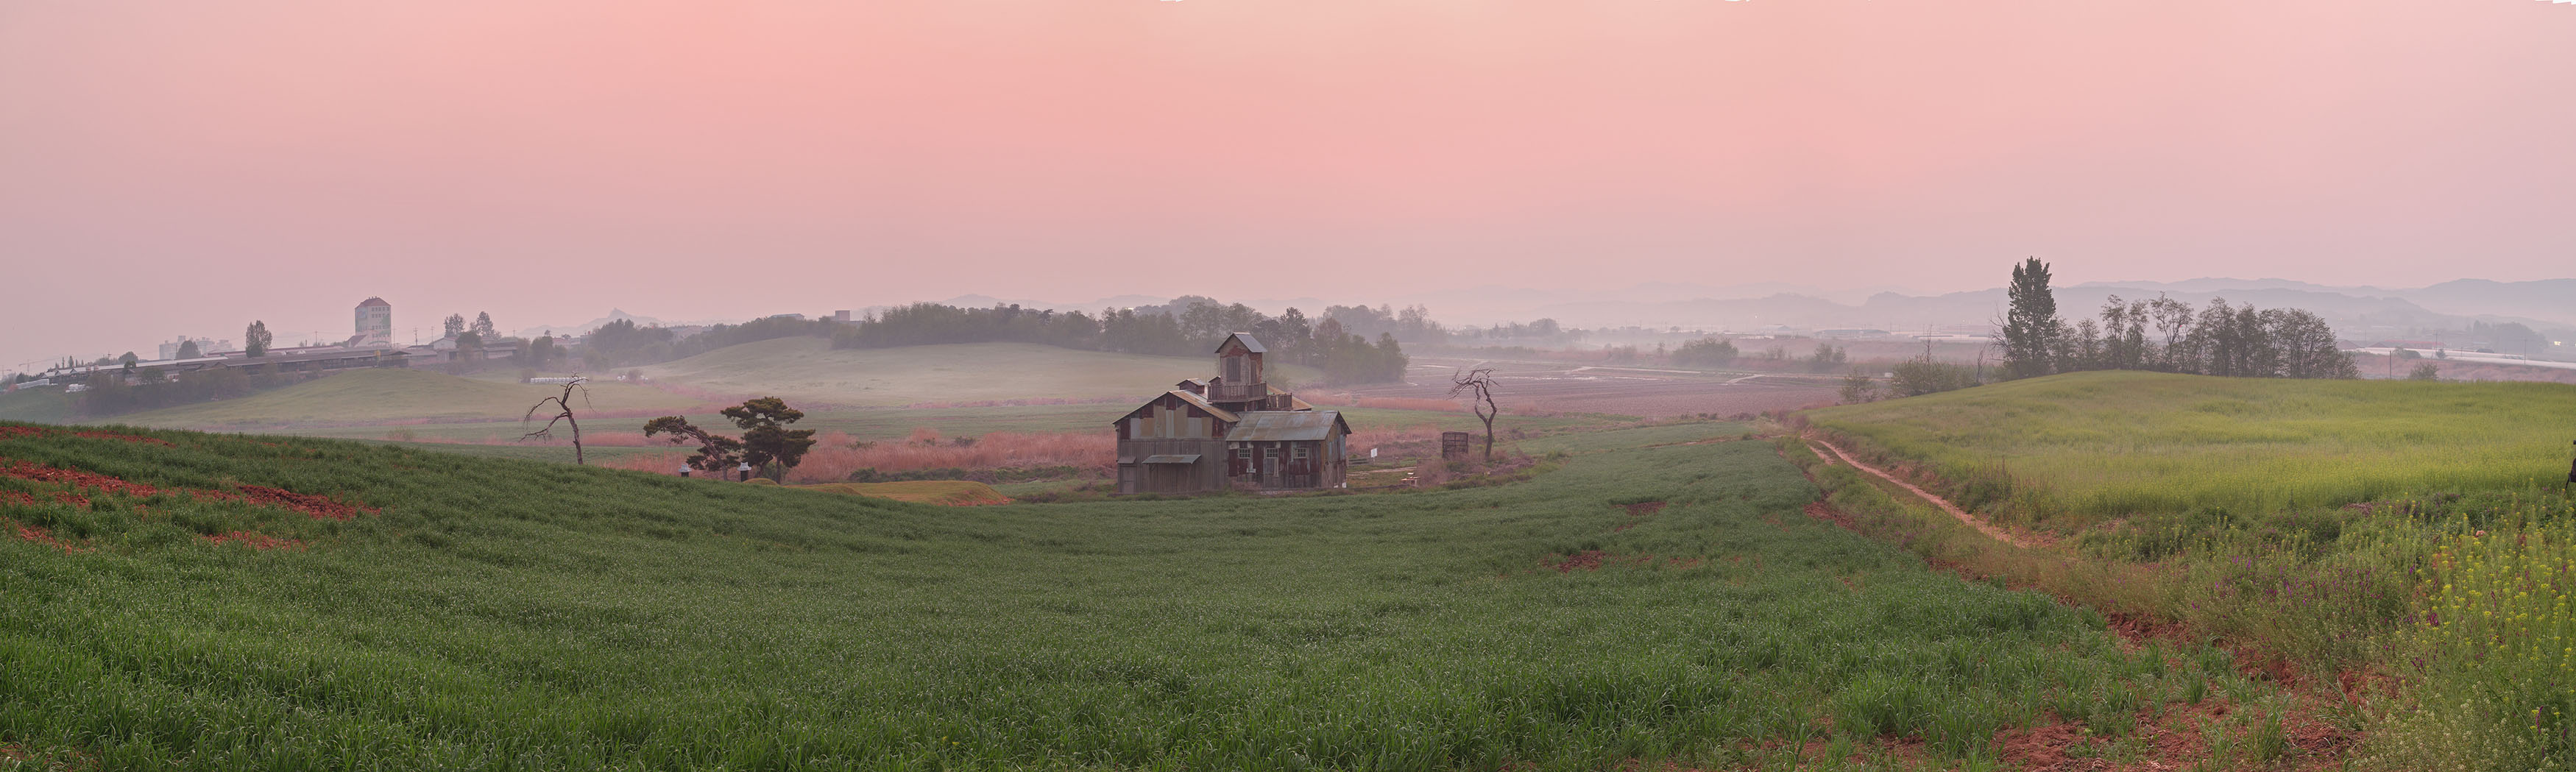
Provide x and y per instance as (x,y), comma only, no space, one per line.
(172,168)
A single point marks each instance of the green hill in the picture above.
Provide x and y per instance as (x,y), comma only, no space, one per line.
(809,369)
(201,601)
(41,405)
(390,395)
(2114,443)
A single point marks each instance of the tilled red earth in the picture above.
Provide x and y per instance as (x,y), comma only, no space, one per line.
(17,432)
(317,506)
(25,470)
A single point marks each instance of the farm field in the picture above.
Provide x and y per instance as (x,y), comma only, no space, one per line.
(1643,606)
(1637,391)
(611,440)
(389,396)
(2108,444)
(2409,534)
(944,492)
(809,370)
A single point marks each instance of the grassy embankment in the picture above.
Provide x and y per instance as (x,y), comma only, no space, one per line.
(511,615)
(41,405)
(2410,530)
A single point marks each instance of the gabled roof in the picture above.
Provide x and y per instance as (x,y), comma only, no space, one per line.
(1194,400)
(1293,402)
(1249,344)
(372,302)
(1276,425)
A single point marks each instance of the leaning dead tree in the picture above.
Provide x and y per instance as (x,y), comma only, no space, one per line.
(563,406)
(1478,387)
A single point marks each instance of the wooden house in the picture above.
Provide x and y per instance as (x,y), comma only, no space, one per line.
(1231,430)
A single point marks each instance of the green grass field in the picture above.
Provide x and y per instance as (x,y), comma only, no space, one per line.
(809,369)
(942,492)
(391,395)
(2408,530)
(513,615)
(42,404)
(2112,444)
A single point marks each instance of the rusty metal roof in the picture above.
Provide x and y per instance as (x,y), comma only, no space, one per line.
(1193,399)
(1202,404)
(1278,425)
(1249,344)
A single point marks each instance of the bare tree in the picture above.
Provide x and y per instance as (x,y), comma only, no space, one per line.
(563,404)
(1478,386)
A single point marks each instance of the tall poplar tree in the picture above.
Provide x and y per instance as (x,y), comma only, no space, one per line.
(2031,326)
(255,339)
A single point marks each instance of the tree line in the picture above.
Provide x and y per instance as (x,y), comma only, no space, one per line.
(623,342)
(1345,356)
(2164,335)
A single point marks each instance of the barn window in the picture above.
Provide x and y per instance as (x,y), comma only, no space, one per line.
(1298,453)
(1243,453)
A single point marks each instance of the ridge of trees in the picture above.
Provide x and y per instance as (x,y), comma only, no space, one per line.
(2165,335)
(1346,355)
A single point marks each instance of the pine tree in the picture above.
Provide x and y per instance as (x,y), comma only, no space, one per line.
(2031,326)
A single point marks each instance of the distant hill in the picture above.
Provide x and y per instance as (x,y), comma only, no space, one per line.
(584,328)
(809,369)
(2548,300)
(2224,285)
(2356,313)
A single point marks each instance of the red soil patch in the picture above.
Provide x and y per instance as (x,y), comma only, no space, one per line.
(256,540)
(320,507)
(1640,511)
(125,437)
(1586,560)
(45,537)
(1823,511)
(28,499)
(1593,560)
(41,473)
(317,506)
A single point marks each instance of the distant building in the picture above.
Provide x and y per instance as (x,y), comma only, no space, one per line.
(1233,429)
(170,350)
(375,325)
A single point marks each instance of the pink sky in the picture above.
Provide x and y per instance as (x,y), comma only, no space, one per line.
(173,168)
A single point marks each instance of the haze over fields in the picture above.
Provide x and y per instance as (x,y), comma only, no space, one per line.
(184,169)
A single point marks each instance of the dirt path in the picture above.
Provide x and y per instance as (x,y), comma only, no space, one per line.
(1972,521)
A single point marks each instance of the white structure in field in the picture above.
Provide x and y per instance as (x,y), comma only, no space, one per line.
(375,325)
(205,346)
